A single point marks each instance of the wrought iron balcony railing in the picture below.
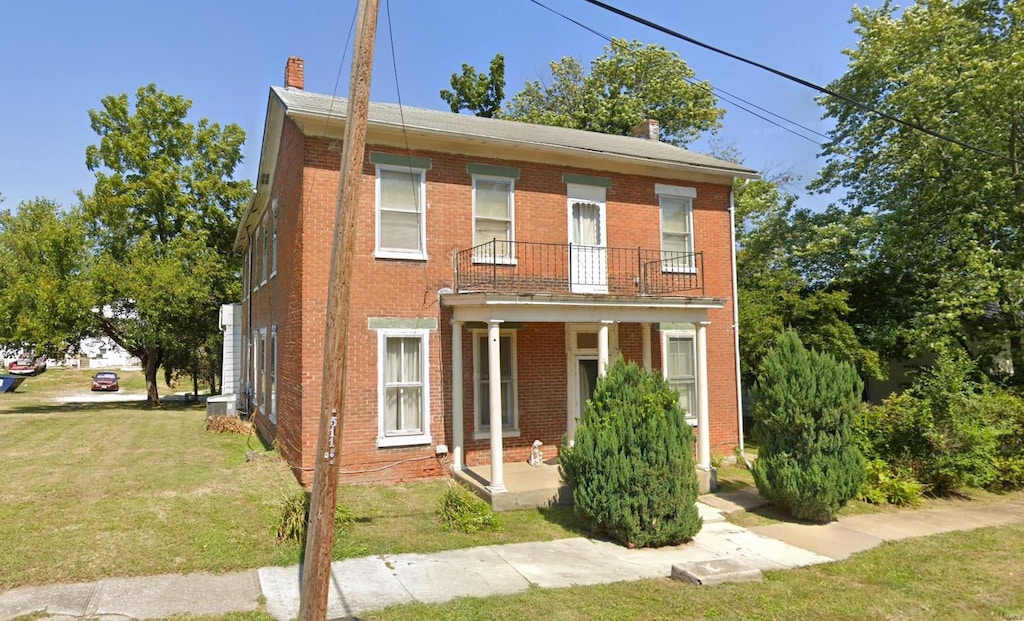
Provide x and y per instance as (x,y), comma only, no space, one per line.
(529,267)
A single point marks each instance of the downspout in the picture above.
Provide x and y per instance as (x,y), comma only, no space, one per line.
(736,317)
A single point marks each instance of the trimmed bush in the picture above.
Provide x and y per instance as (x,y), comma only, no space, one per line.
(631,468)
(804,404)
(462,510)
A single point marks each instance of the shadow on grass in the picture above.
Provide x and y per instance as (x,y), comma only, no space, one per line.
(565,517)
(105,406)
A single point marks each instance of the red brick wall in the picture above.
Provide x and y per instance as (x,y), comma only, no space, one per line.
(409,289)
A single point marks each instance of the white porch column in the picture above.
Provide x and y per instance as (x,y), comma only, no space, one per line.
(497,485)
(602,349)
(703,432)
(458,433)
(645,340)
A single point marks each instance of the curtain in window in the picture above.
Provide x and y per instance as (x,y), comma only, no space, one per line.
(403,385)
(586,223)
(400,210)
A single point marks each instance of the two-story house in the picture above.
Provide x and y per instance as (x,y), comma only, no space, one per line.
(499,267)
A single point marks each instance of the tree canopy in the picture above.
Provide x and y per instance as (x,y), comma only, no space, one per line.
(161,220)
(44,299)
(948,255)
(628,83)
(480,93)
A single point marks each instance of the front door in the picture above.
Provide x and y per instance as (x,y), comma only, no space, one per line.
(586,379)
(588,244)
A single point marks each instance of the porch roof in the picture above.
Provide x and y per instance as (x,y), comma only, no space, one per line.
(578,308)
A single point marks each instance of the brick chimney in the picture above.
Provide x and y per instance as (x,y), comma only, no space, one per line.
(294,73)
(648,129)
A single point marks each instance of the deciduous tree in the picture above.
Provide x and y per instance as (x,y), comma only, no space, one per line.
(162,219)
(949,257)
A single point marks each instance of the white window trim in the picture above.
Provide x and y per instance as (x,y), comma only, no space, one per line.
(273,373)
(265,271)
(261,370)
(509,259)
(246,275)
(273,256)
(688,333)
(677,192)
(254,274)
(398,253)
(479,433)
(384,440)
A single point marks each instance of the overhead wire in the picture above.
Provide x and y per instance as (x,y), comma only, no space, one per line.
(806,83)
(722,94)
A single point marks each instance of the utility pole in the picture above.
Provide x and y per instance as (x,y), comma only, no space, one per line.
(316,567)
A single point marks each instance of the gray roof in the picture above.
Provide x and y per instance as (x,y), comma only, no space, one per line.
(510,132)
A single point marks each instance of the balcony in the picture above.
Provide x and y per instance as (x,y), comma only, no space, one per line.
(531,268)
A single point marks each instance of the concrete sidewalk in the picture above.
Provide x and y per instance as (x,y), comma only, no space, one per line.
(364,584)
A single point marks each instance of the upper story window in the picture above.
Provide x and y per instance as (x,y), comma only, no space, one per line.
(677,249)
(493,218)
(273,236)
(401,213)
(257,243)
(246,267)
(266,246)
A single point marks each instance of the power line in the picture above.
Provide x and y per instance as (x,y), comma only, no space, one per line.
(811,85)
(723,94)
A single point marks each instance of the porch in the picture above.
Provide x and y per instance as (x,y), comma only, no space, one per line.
(527,486)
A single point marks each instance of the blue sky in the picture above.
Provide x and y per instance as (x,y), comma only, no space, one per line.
(61,58)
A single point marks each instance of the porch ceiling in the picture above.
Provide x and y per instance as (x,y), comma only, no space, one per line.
(578,308)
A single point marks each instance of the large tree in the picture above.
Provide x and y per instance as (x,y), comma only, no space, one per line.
(162,218)
(794,271)
(949,258)
(44,297)
(628,83)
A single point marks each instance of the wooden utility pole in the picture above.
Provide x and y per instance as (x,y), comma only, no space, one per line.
(316,566)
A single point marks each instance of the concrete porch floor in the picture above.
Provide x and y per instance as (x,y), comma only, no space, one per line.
(528,486)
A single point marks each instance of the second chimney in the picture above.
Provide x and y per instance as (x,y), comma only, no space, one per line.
(648,129)
(294,73)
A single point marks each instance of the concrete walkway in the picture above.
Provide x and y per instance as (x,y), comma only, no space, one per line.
(721,551)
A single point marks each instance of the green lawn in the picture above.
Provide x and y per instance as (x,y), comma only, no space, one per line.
(120,489)
(972,575)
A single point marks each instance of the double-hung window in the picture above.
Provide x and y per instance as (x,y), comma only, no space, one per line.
(481,393)
(257,256)
(676,205)
(272,375)
(266,246)
(273,235)
(404,389)
(261,370)
(680,369)
(493,219)
(401,212)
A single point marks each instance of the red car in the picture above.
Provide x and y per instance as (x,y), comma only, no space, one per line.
(106,381)
(27,366)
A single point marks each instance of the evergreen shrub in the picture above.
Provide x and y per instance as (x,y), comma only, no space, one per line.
(805,402)
(631,467)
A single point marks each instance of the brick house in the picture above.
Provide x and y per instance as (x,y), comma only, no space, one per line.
(486,249)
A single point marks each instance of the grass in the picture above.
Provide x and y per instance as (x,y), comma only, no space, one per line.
(121,489)
(916,579)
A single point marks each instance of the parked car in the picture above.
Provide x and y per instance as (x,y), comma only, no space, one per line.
(27,366)
(106,381)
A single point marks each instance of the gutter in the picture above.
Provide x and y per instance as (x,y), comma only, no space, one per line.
(736,317)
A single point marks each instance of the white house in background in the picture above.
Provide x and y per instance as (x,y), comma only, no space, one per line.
(103,353)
